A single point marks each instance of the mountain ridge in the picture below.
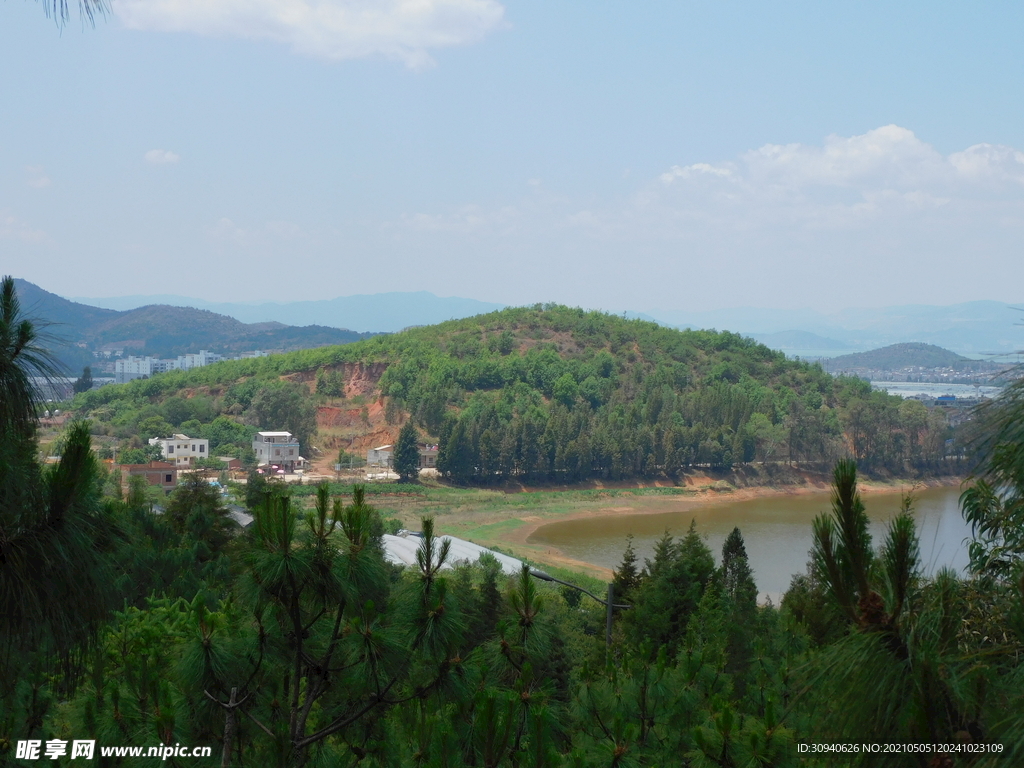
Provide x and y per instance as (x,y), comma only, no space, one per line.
(975,328)
(379,312)
(160,330)
(980,327)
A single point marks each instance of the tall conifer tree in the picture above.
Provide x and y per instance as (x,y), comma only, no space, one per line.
(407,454)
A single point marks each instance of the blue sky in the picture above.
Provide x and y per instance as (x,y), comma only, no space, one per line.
(614,155)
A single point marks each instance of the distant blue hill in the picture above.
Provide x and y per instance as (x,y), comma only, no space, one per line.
(379,312)
(975,328)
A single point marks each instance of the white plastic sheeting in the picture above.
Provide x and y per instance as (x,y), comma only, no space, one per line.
(401,550)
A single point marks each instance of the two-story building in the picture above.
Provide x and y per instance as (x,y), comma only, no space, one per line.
(182,450)
(278,450)
(160,473)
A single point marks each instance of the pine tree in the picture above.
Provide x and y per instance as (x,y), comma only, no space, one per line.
(627,578)
(196,510)
(84,382)
(739,604)
(407,454)
(737,578)
(55,569)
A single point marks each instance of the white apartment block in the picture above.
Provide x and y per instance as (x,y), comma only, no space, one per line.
(182,450)
(139,368)
(277,449)
(143,367)
(188,362)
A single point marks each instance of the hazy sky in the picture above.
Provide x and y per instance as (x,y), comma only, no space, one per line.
(617,155)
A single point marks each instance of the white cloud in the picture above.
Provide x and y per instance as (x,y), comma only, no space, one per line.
(990,163)
(37,177)
(13,228)
(405,30)
(886,173)
(879,218)
(689,171)
(161,157)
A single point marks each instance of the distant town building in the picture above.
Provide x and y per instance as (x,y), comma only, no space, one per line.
(190,361)
(159,473)
(131,367)
(182,450)
(277,450)
(382,456)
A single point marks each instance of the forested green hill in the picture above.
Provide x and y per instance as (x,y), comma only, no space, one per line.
(915,354)
(560,393)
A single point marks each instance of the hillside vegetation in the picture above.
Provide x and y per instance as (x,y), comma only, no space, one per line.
(550,392)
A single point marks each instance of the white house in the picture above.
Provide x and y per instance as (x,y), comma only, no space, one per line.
(380,456)
(277,449)
(383,456)
(181,450)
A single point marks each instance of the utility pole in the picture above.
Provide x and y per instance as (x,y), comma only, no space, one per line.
(609,603)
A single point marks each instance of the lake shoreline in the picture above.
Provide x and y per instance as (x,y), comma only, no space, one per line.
(702,498)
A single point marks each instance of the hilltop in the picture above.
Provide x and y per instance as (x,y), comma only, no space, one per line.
(162,331)
(915,354)
(550,392)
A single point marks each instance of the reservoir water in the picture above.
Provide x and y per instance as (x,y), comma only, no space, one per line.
(776,529)
(913,389)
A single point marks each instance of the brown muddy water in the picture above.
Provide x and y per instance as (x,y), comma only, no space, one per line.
(776,529)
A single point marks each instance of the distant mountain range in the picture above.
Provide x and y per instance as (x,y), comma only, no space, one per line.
(379,312)
(976,329)
(162,331)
